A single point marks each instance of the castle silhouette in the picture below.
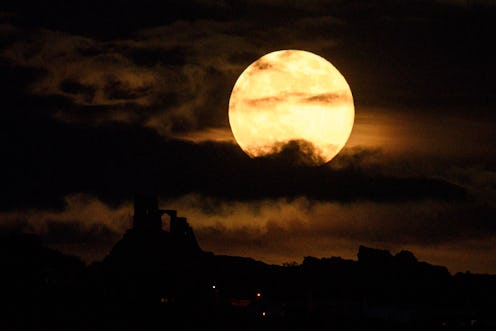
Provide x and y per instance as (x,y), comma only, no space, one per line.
(147,239)
(158,279)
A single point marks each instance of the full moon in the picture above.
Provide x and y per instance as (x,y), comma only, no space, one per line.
(291,97)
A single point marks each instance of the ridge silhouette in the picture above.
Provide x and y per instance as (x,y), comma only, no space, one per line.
(158,279)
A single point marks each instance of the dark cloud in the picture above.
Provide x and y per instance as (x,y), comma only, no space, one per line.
(113,161)
(324,98)
(295,153)
(243,57)
(46,159)
(280,230)
(110,98)
(266,101)
(74,232)
(327,98)
(262,65)
(155,56)
(112,81)
(74,87)
(179,69)
(126,16)
(116,89)
(358,157)
(85,125)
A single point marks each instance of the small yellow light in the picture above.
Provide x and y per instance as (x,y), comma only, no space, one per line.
(264,313)
(259,294)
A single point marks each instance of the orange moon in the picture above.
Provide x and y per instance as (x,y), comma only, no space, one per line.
(291,95)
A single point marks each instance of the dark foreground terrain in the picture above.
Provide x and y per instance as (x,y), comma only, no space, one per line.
(161,280)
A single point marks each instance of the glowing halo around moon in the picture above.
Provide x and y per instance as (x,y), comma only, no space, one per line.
(291,96)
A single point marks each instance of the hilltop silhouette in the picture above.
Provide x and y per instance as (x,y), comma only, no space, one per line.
(158,279)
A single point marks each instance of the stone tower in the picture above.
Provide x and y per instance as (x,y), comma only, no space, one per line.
(147,220)
(147,217)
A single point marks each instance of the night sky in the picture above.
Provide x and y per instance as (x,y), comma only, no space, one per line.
(103,99)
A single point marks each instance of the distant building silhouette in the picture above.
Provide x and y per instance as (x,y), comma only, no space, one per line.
(148,245)
(148,218)
(154,277)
